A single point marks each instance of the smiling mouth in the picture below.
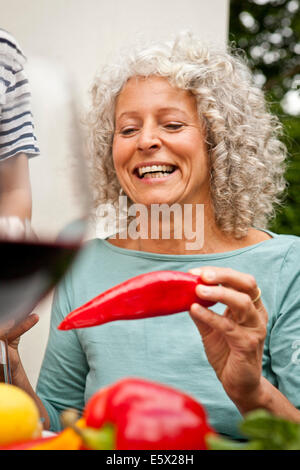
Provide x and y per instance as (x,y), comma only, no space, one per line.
(154,171)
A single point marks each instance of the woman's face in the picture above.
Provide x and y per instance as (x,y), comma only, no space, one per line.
(159,149)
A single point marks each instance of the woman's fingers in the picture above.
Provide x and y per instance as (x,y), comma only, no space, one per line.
(241,306)
(244,339)
(237,290)
(211,320)
(229,277)
(20,328)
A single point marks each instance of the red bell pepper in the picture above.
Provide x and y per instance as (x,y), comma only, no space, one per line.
(148,416)
(147,295)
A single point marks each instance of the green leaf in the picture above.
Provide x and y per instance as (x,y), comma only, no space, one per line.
(272,432)
(274,17)
(264,431)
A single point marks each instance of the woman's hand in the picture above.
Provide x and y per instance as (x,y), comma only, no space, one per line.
(233,341)
(13,335)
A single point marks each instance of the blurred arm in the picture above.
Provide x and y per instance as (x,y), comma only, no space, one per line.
(15,188)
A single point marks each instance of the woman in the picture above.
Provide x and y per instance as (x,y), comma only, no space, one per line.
(180,123)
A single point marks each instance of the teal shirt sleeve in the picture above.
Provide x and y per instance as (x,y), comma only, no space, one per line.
(61,382)
(285,333)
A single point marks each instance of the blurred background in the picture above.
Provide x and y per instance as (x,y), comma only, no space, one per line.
(269,33)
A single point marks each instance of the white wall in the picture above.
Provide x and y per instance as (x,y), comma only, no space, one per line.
(83,35)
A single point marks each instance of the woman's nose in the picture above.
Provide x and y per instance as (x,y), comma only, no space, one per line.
(149,140)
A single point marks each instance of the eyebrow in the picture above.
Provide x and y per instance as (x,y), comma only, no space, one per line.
(160,110)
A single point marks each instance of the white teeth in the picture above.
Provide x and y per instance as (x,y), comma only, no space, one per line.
(158,174)
(149,169)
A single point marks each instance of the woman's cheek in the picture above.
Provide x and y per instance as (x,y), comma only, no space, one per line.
(120,151)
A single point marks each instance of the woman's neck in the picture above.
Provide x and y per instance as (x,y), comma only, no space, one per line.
(182,234)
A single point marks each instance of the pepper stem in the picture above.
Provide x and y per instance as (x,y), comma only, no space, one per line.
(93,439)
(99,439)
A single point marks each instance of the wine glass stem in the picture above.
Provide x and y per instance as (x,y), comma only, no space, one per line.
(4,360)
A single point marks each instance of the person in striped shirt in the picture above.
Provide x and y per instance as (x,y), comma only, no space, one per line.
(18,142)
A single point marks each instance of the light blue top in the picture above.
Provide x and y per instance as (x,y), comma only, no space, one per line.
(168,349)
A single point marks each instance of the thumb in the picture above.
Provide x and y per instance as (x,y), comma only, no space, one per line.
(20,328)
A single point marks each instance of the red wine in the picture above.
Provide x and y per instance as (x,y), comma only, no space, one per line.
(28,271)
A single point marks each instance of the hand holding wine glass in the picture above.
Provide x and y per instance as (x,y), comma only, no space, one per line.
(9,346)
(13,228)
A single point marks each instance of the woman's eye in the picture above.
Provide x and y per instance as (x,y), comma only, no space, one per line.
(174,126)
(128,131)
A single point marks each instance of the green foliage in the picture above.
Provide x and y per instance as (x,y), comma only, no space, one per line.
(269,33)
(263,431)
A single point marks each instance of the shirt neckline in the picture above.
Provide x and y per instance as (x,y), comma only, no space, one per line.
(209,256)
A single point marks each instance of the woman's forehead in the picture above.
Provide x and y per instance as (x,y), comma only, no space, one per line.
(153,83)
(153,91)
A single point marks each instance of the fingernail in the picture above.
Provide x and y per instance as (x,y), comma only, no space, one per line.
(209,275)
(196,271)
(205,290)
(196,308)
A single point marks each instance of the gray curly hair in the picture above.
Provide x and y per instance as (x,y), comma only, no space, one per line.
(243,137)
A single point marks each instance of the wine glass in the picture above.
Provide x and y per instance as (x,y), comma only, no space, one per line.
(36,254)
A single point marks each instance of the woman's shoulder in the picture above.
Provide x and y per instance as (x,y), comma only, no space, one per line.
(291,247)
(278,239)
(92,246)
(283,250)
(287,251)
(94,253)
(285,239)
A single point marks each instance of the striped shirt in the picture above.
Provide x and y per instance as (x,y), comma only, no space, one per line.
(16,122)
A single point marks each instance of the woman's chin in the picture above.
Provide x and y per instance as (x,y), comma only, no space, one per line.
(156,200)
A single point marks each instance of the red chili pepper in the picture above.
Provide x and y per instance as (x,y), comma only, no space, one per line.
(147,295)
(149,416)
